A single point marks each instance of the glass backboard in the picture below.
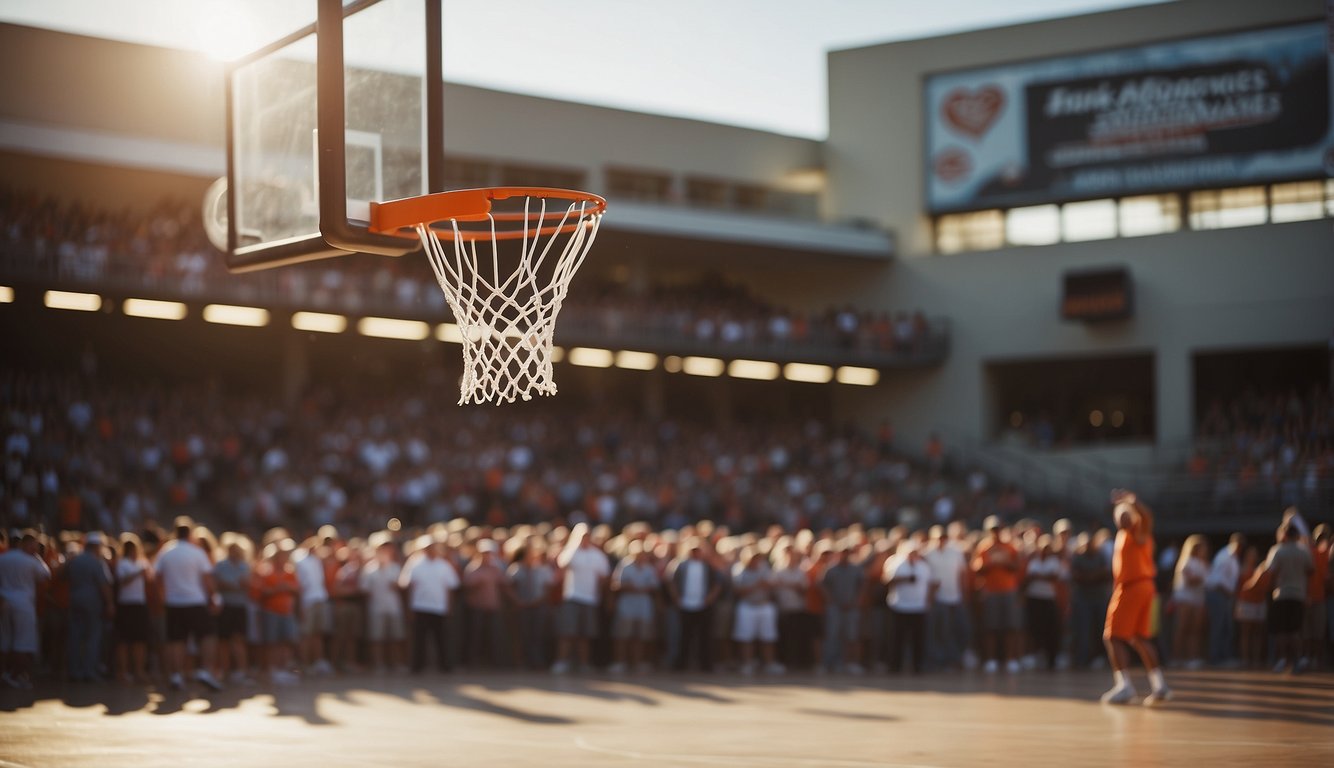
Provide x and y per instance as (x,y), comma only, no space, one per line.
(324,120)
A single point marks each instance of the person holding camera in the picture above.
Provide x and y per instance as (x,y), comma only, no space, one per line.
(908,577)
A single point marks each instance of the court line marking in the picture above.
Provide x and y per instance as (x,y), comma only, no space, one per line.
(586,745)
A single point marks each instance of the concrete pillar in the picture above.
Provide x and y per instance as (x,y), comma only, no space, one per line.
(1174,396)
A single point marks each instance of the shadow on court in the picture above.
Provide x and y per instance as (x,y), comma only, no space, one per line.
(1252,696)
(1307,699)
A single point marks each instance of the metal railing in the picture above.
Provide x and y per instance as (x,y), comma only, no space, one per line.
(1184,502)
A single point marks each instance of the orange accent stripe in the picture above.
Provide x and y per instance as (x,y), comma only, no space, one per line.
(400,217)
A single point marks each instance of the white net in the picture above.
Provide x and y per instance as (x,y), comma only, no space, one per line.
(505,294)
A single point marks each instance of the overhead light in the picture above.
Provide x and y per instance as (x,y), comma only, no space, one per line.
(557,354)
(703,366)
(393,328)
(753,369)
(671,364)
(81,302)
(452,333)
(636,361)
(806,180)
(815,374)
(6,295)
(591,357)
(159,310)
(319,322)
(230,314)
(449,332)
(851,374)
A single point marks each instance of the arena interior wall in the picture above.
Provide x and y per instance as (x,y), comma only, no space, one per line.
(1258,287)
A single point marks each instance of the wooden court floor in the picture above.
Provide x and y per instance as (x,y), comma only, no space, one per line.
(1033,719)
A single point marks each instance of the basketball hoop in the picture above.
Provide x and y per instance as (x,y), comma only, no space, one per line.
(505,296)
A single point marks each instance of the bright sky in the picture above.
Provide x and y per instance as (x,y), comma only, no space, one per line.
(756,63)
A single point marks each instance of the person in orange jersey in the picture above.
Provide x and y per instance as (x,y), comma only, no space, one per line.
(1130,610)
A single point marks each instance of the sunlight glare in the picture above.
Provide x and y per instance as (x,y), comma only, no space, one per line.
(225,31)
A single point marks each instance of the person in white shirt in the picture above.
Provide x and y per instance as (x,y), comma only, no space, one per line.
(1192,569)
(586,570)
(790,586)
(385,626)
(756,612)
(947,621)
(1044,573)
(316,613)
(21,571)
(1220,591)
(133,573)
(909,580)
(429,579)
(185,577)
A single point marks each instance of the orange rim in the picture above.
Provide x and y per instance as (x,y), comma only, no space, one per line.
(401,217)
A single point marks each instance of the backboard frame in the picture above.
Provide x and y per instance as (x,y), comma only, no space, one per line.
(337,236)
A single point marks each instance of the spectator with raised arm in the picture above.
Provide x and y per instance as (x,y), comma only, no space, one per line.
(1288,567)
(585,570)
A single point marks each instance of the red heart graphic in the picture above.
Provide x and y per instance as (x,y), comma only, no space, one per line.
(972,113)
(951,165)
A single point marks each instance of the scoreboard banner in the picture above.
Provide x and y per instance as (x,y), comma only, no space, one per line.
(1240,108)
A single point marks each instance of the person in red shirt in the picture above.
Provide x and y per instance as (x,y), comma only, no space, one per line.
(275,588)
(1130,612)
(1252,607)
(997,567)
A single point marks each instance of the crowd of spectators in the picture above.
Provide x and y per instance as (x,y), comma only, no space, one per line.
(549,540)
(164,250)
(1235,607)
(713,311)
(180,605)
(1265,448)
(84,450)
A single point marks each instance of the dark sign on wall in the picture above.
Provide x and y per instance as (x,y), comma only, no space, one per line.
(1248,107)
(1097,294)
